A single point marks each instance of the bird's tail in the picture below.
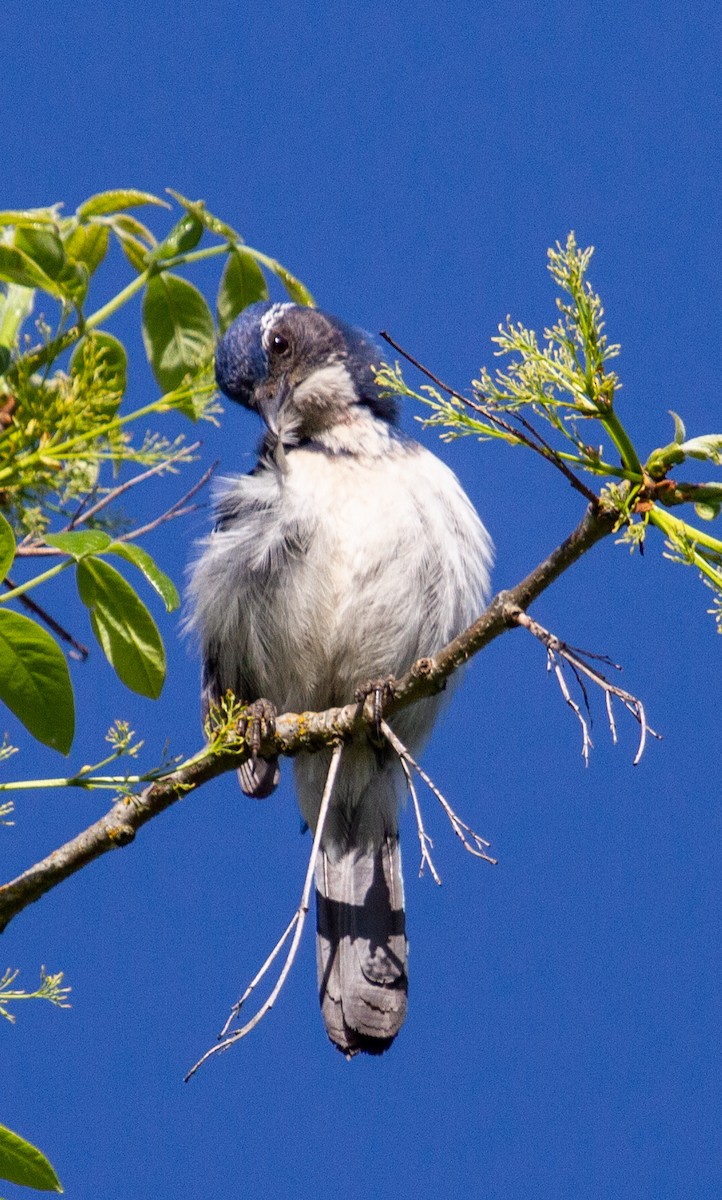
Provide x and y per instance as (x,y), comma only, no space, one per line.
(361,946)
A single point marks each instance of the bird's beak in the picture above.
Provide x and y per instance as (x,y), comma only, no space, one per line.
(269,406)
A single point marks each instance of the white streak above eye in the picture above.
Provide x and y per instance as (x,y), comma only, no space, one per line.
(269,319)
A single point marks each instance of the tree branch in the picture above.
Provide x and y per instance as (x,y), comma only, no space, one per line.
(294,732)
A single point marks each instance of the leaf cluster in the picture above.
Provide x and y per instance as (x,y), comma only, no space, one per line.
(64,426)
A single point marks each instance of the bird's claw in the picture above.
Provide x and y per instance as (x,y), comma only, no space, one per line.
(258,721)
(379,691)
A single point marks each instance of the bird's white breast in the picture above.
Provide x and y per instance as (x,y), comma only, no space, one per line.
(342,568)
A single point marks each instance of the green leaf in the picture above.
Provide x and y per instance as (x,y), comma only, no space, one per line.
(17,267)
(7,547)
(123,626)
(24,1164)
(46,250)
(661,459)
(158,579)
(680,432)
(16,304)
(136,240)
(242,283)
(88,244)
(38,216)
(44,247)
(183,237)
(134,250)
(178,329)
(213,224)
(110,202)
(34,681)
(79,543)
(73,282)
(298,292)
(128,224)
(708,447)
(707,511)
(103,358)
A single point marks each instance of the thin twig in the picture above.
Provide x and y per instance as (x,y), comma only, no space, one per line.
(610,716)
(81,517)
(176,510)
(551,455)
(582,688)
(257,978)
(181,508)
(78,651)
(424,840)
(463,831)
(298,921)
(536,442)
(575,658)
(587,743)
(74,520)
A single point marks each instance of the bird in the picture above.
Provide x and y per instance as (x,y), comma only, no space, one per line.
(347,553)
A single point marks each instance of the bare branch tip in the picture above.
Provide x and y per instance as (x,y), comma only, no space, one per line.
(463,831)
(296,924)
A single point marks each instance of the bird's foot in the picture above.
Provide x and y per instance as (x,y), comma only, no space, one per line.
(378,692)
(258,721)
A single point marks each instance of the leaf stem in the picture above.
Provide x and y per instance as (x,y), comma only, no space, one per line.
(179,260)
(610,421)
(671,525)
(136,285)
(22,588)
(88,782)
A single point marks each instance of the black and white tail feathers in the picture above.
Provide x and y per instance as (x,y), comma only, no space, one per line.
(361,947)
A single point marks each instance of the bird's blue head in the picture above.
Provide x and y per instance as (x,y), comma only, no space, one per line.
(300,369)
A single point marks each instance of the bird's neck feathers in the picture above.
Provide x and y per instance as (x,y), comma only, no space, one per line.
(325,413)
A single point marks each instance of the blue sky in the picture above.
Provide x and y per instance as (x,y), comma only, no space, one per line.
(411,163)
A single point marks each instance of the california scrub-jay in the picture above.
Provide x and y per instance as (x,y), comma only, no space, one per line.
(347,553)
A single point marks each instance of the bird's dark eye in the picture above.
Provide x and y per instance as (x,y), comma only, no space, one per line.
(280,344)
